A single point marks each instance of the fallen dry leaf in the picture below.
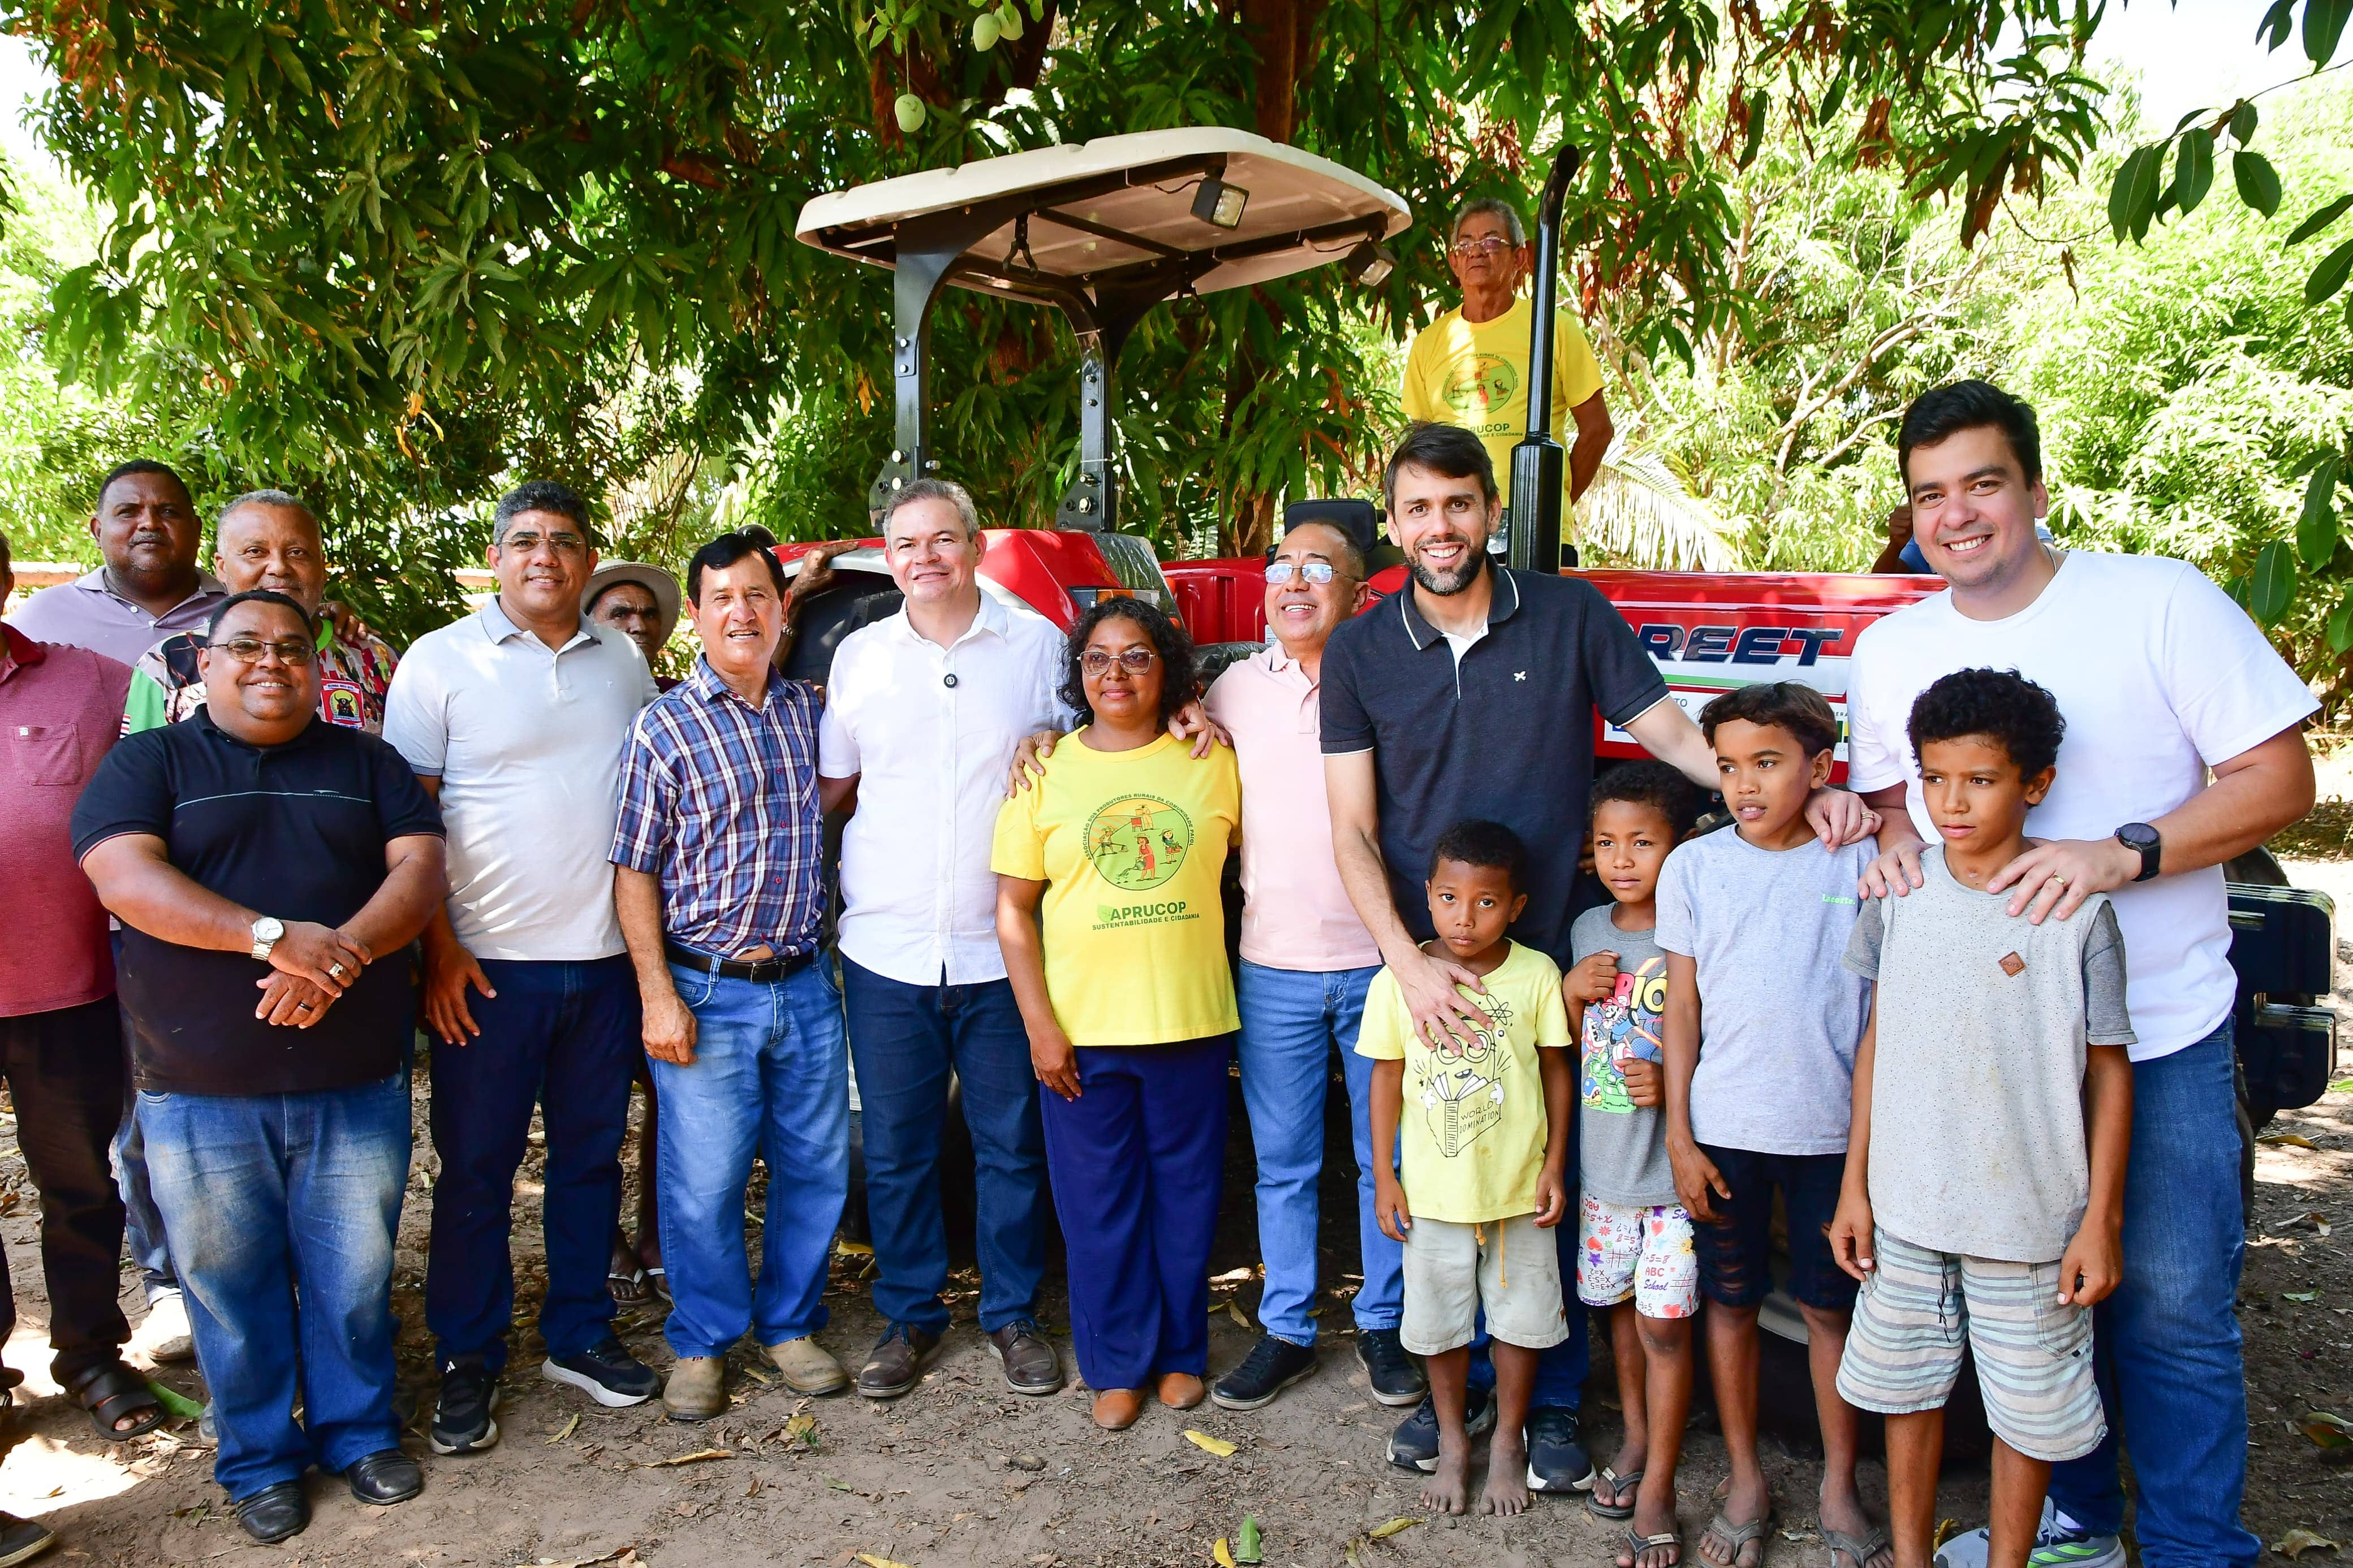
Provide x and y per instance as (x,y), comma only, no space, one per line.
(566,1430)
(694,1459)
(1392,1528)
(2297,1542)
(874,1562)
(756,1375)
(2289,1140)
(1234,1310)
(1207,1443)
(2300,1296)
(1220,1554)
(800,1432)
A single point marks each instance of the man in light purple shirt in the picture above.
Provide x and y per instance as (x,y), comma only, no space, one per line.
(1307,961)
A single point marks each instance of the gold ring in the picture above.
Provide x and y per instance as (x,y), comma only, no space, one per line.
(2058,878)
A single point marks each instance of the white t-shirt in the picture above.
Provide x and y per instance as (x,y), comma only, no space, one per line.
(2159,676)
(930,732)
(527,742)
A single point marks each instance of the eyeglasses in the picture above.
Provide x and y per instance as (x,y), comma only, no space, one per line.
(1316,571)
(1135,660)
(1467,248)
(522,543)
(249,649)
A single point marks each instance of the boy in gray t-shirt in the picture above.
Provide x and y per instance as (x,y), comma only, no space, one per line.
(1993,1115)
(1634,1255)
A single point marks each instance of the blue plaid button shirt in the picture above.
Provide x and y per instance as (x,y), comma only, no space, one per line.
(720,800)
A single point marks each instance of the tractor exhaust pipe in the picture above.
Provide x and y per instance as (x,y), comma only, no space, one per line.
(1539,463)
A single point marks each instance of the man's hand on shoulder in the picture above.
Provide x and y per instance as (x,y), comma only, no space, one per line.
(1029,757)
(2055,876)
(1441,1013)
(1840,818)
(1193,723)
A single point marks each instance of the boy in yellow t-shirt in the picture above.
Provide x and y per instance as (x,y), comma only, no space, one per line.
(1486,1124)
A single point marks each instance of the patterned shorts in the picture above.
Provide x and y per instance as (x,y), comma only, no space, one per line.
(2035,1355)
(1642,1255)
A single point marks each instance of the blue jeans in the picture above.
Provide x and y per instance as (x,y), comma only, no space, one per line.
(563,1037)
(770,1075)
(906,1040)
(1138,1160)
(2166,1343)
(1292,1020)
(259,1191)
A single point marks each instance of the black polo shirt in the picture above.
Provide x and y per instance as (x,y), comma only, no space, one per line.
(296,831)
(1506,734)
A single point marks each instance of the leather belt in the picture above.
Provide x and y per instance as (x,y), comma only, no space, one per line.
(759,970)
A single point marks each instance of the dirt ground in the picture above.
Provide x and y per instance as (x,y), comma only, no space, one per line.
(963,1472)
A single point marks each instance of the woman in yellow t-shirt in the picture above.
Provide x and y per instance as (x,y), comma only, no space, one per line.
(1109,915)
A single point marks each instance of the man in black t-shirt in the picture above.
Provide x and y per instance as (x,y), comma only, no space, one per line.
(1472,694)
(269,871)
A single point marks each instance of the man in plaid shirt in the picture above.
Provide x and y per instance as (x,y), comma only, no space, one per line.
(720,893)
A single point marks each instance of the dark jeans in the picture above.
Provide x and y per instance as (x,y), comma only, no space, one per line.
(563,1037)
(142,1225)
(261,1191)
(65,1074)
(2166,1343)
(1736,1257)
(1138,1160)
(903,1040)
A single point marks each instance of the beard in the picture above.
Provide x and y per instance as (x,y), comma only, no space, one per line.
(1447,583)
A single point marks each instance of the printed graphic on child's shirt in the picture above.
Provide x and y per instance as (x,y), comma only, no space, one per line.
(1138,841)
(1461,1085)
(1622,1027)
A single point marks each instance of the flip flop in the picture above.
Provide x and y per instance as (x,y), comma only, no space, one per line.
(660,1278)
(1859,1549)
(1736,1536)
(1619,1485)
(1633,1543)
(629,1290)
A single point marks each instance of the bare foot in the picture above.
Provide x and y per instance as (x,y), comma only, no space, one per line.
(1449,1490)
(1507,1473)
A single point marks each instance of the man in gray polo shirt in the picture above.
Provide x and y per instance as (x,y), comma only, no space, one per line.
(515,717)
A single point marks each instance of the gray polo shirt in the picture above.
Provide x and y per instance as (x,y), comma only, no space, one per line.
(88,612)
(527,743)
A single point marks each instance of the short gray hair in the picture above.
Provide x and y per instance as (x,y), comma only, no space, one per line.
(947,490)
(278,498)
(1490,206)
(541,495)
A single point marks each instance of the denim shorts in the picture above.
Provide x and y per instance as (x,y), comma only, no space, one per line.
(1735,1255)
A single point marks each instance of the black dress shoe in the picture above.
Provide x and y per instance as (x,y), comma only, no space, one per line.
(273,1513)
(385,1477)
(1396,1376)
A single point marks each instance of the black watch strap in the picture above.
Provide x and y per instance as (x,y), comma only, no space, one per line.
(2144,840)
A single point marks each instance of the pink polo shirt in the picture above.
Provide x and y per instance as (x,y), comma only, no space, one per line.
(61,709)
(1296,913)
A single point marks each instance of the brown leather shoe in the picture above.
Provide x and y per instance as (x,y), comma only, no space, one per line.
(1028,1359)
(896,1362)
(1181,1390)
(1117,1408)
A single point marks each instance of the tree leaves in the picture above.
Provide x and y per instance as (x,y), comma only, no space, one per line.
(2319,219)
(2193,169)
(2272,588)
(2132,198)
(2316,528)
(2259,184)
(2324,25)
(2329,276)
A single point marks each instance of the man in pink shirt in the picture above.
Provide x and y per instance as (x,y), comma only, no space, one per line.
(60,1045)
(1307,960)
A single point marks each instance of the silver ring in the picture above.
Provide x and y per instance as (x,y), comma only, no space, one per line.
(335,970)
(301,1007)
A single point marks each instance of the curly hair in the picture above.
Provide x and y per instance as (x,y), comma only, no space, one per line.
(1180,683)
(2001,705)
(1654,785)
(1489,846)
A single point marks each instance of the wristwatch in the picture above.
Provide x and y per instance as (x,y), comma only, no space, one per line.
(2145,841)
(266,932)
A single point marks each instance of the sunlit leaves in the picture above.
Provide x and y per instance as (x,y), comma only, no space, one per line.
(2259,186)
(2272,586)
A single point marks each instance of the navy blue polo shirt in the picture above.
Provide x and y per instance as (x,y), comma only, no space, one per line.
(296,831)
(1506,734)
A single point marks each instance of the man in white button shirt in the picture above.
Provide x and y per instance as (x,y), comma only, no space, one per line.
(515,719)
(923,712)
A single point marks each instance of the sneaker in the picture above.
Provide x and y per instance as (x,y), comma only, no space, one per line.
(1030,1363)
(1414,1445)
(1558,1461)
(1396,1375)
(2054,1547)
(462,1422)
(22,1539)
(1273,1365)
(164,1333)
(607,1372)
(895,1364)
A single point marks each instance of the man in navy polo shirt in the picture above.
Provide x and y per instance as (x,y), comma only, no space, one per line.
(270,870)
(1473,696)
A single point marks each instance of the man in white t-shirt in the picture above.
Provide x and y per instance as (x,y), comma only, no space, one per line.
(2184,748)
(924,711)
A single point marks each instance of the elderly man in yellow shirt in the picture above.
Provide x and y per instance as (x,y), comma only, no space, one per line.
(1470,367)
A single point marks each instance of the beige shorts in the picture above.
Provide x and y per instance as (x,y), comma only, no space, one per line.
(1510,1268)
(1919,1309)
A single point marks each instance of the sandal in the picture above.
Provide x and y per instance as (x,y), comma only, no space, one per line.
(660,1278)
(1621,1486)
(1859,1549)
(629,1290)
(1633,1543)
(114,1391)
(1736,1537)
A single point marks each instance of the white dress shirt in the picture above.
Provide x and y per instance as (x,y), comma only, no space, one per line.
(930,732)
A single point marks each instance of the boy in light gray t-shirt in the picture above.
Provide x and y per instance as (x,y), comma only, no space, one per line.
(1983,1198)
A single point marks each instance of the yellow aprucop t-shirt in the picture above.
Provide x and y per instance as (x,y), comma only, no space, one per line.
(1476,376)
(1472,1141)
(1131,846)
